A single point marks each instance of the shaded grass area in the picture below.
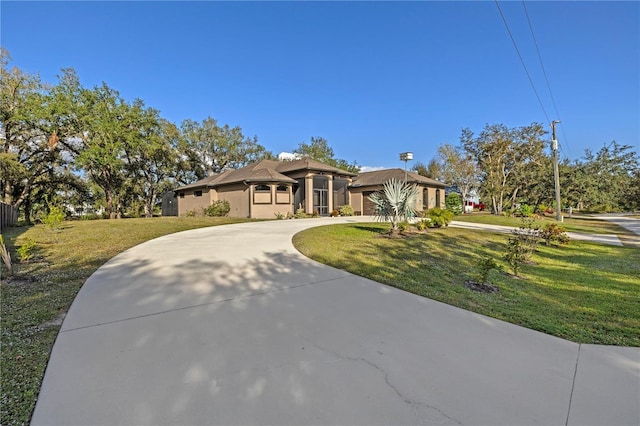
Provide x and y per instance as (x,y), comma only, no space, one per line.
(582,224)
(34,301)
(584,292)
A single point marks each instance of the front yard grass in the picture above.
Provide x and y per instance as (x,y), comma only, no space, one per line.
(35,300)
(581,224)
(584,292)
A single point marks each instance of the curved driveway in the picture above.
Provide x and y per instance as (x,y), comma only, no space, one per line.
(231,325)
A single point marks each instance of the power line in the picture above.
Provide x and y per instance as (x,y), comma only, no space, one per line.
(522,62)
(544,71)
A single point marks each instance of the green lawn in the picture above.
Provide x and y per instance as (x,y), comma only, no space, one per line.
(582,224)
(34,301)
(584,292)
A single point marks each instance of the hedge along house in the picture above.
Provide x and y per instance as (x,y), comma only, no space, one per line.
(431,191)
(268,187)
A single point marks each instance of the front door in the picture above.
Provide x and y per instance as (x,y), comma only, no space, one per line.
(321,201)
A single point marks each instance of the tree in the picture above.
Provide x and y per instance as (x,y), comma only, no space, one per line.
(502,154)
(33,123)
(318,149)
(150,156)
(212,149)
(459,169)
(396,202)
(433,170)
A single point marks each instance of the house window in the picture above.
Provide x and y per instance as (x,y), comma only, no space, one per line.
(425,199)
(283,196)
(181,195)
(262,194)
(197,193)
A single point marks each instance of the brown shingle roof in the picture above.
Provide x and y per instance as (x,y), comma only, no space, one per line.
(379,177)
(265,171)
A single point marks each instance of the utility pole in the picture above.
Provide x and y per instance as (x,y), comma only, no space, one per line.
(556,173)
(406,156)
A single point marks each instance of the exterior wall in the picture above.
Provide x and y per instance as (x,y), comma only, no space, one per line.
(360,205)
(187,201)
(266,205)
(238,198)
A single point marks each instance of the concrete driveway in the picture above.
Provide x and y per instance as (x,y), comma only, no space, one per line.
(231,325)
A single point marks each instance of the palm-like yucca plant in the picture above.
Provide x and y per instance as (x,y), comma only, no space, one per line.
(396,202)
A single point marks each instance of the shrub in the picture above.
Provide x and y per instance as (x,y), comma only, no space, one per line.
(218,208)
(453,203)
(301,214)
(54,218)
(525,210)
(280,216)
(439,217)
(26,250)
(422,224)
(192,213)
(553,233)
(542,209)
(335,213)
(346,210)
(484,265)
(403,226)
(521,245)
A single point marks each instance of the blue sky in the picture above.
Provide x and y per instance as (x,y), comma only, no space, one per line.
(373,78)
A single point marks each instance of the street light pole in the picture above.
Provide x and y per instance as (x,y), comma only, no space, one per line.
(556,173)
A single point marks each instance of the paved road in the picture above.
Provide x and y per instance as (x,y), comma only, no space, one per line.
(231,325)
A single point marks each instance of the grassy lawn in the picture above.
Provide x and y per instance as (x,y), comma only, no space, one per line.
(584,292)
(582,224)
(34,301)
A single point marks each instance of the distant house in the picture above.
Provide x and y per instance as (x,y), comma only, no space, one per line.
(268,187)
(363,185)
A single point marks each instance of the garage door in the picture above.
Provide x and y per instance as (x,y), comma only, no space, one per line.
(368,208)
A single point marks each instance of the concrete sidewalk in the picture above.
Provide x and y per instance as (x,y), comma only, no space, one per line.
(231,325)
(610,239)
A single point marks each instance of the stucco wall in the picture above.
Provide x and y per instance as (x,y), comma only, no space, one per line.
(238,198)
(190,202)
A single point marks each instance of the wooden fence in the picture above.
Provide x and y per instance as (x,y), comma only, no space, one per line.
(8,216)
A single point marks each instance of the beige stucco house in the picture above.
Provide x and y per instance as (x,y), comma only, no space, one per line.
(268,187)
(363,185)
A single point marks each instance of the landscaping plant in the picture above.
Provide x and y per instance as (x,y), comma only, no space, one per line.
(521,245)
(552,233)
(346,210)
(395,203)
(220,208)
(438,217)
(453,203)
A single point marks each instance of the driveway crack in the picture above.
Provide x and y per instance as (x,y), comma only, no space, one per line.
(573,385)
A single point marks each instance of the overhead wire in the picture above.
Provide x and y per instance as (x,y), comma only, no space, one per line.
(546,79)
(533,86)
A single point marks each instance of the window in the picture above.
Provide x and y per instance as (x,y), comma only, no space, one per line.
(197,193)
(262,194)
(181,195)
(282,195)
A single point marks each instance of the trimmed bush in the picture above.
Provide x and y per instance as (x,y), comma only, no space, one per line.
(346,210)
(218,208)
(439,217)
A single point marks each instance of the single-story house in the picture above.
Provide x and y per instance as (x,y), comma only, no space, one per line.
(431,191)
(268,187)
